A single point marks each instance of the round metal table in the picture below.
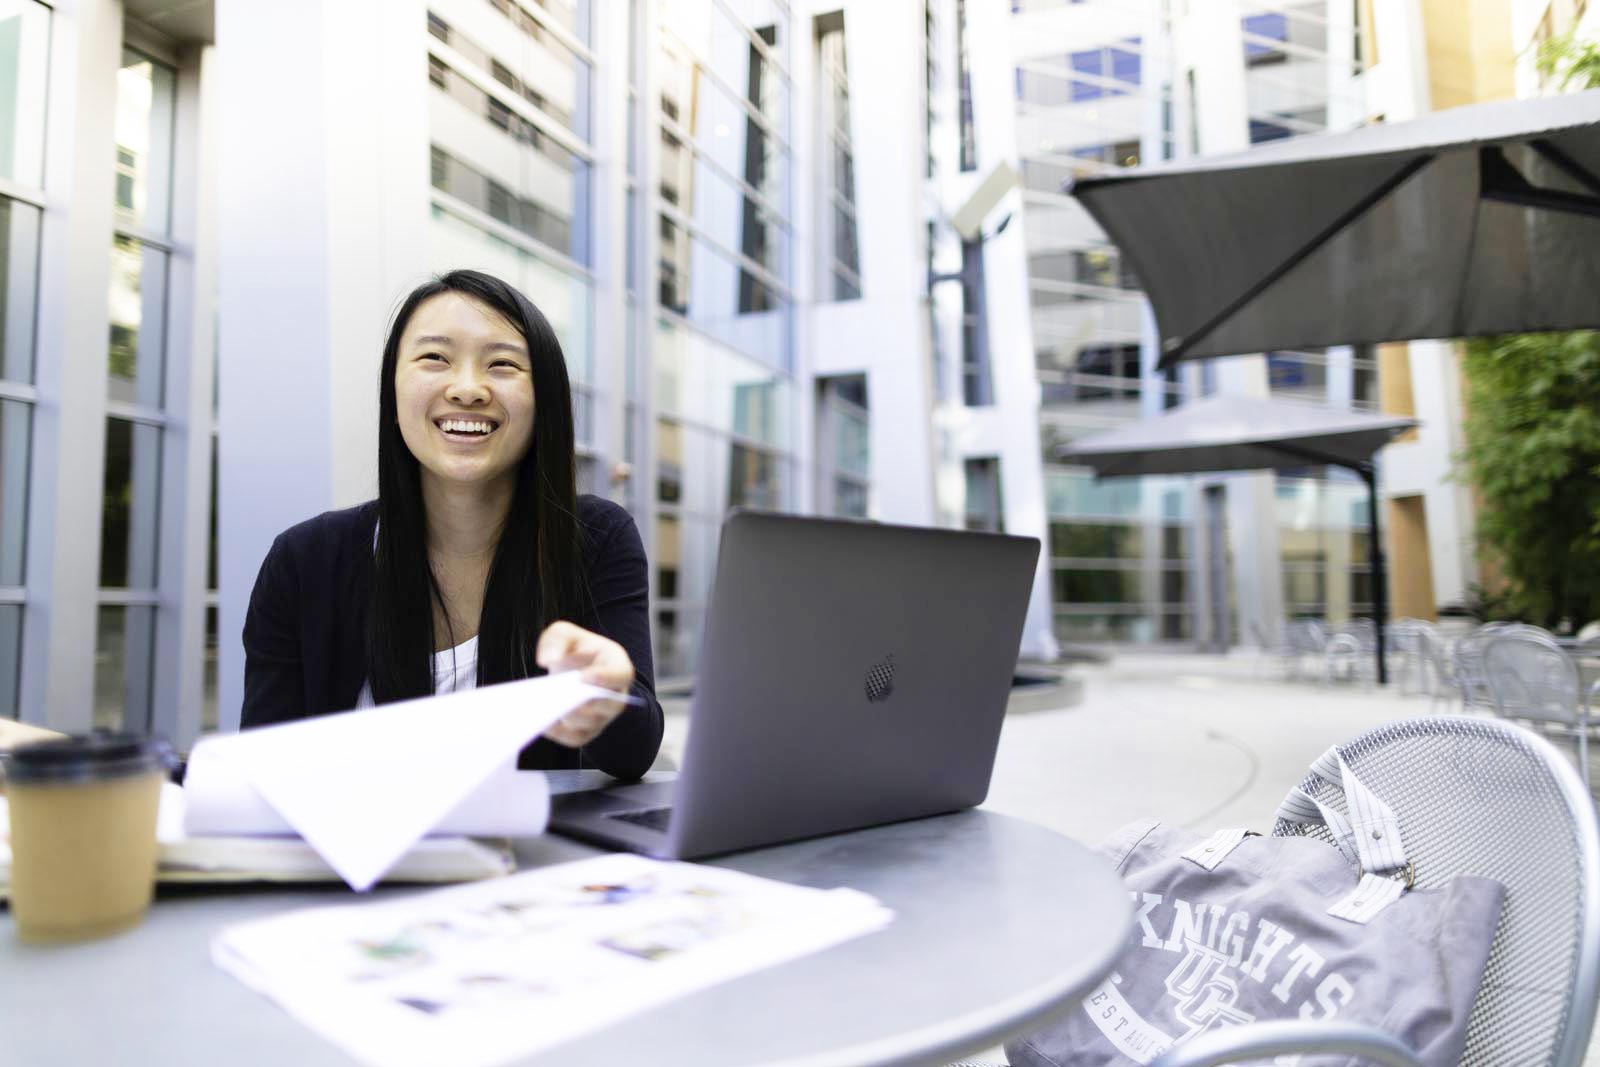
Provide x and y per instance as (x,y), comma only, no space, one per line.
(999,924)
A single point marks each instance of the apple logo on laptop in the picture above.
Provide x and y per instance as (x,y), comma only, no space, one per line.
(880,680)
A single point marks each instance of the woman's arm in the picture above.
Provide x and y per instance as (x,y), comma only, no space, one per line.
(619,584)
(274,682)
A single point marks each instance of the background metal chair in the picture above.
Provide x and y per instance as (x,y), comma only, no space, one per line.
(1467,660)
(1283,649)
(1350,651)
(1408,648)
(1483,797)
(1532,678)
(1308,638)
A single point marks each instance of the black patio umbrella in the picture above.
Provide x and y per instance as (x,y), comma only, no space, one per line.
(1472,221)
(1236,433)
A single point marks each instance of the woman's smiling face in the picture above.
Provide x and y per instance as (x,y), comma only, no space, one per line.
(463,387)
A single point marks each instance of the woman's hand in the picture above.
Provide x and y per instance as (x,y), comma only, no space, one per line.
(565,647)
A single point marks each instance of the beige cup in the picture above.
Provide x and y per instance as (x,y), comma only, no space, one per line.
(83,834)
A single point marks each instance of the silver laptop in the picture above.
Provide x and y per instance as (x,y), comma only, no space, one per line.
(852,673)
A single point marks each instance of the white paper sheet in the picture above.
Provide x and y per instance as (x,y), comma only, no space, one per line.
(481,974)
(363,786)
(221,800)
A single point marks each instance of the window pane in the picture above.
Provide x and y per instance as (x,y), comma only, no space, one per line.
(685,558)
(145,92)
(532,65)
(850,446)
(721,296)
(24,73)
(123,661)
(1134,627)
(138,322)
(668,556)
(208,687)
(545,185)
(724,47)
(564,298)
(19,279)
(849,498)
(211,551)
(132,499)
(1096,541)
(677,642)
(544,214)
(721,209)
(721,127)
(15,421)
(669,464)
(701,381)
(10,658)
(1097,587)
(582,414)
(755,479)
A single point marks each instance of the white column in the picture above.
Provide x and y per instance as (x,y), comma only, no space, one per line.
(880,334)
(611,117)
(1211,44)
(1399,81)
(1437,385)
(1009,320)
(69,421)
(323,214)
(191,378)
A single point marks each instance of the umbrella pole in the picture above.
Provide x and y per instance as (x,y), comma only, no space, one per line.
(1380,575)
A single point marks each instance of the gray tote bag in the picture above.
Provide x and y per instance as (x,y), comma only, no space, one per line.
(1235,927)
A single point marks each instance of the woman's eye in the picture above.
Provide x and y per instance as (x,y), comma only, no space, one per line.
(431,355)
(505,363)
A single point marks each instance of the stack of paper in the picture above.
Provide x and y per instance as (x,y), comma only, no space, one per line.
(263,856)
(285,857)
(480,974)
(363,787)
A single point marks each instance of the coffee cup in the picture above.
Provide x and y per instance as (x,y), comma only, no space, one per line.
(83,834)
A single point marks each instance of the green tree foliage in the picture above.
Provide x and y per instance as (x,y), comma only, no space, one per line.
(1533,453)
(1533,441)
(1569,63)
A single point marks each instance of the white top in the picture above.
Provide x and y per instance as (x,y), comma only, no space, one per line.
(454,669)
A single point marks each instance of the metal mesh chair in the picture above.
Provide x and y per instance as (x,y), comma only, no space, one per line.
(1306,637)
(1482,797)
(1531,677)
(1467,660)
(1445,683)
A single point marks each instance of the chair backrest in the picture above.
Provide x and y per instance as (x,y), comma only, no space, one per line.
(1530,676)
(1363,630)
(1468,662)
(1478,796)
(1423,640)
(1307,635)
(1259,632)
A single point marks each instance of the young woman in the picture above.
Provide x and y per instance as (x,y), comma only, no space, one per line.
(478,563)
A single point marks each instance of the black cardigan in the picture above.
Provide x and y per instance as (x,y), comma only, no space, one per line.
(306,630)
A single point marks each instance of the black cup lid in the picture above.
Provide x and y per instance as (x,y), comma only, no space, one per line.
(87,757)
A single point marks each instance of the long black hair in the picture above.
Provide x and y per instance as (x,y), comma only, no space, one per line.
(535,577)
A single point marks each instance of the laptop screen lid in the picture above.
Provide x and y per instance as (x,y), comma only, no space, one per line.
(852,673)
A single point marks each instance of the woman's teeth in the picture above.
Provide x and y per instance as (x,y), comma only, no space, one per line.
(463,426)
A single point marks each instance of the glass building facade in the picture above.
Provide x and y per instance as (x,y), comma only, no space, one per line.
(24,74)
(757,279)
(1128,555)
(108,583)
(720,344)
(708,362)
